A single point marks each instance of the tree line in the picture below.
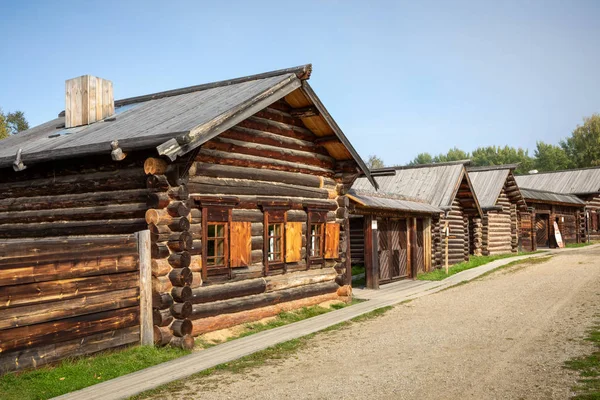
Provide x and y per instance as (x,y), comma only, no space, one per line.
(12,123)
(580,150)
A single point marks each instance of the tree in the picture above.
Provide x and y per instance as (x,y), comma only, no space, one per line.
(549,157)
(375,162)
(583,147)
(454,154)
(3,126)
(422,158)
(16,122)
(496,155)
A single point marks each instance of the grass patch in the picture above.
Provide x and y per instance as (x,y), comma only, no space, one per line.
(474,262)
(358,269)
(588,384)
(274,353)
(75,374)
(576,245)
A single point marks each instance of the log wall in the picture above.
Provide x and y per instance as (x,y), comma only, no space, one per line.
(458,244)
(571,223)
(66,296)
(593,209)
(501,235)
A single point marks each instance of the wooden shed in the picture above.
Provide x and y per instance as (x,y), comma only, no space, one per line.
(546,208)
(445,186)
(497,231)
(583,183)
(390,236)
(240,183)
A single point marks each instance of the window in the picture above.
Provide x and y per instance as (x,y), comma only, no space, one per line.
(275,242)
(216,242)
(316,240)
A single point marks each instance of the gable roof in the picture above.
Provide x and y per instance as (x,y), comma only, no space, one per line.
(436,184)
(388,202)
(174,122)
(574,181)
(552,197)
(488,185)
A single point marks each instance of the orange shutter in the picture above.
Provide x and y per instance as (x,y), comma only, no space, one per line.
(332,240)
(240,244)
(293,242)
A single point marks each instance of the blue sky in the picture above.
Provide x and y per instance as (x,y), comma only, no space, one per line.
(399,77)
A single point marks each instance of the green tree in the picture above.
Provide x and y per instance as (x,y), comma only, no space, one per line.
(496,155)
(375,162)
(549,157)
(583,147)
(454,154)
(422,158)
(16,122)
(3,126)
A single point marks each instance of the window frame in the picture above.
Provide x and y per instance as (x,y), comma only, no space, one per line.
(224,239)
(274,213)
(320,236)
(275,238)
(315,216)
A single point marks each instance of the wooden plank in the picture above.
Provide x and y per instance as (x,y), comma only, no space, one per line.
(145,264)
(241,244)
(332,240)
(293,242)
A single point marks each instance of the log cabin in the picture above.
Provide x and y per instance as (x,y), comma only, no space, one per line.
(390,236)
(546,208)
(497,231)
(241,184)
(583,183)
(445,186)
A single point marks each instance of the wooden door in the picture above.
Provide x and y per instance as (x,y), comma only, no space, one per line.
(384,250)
(542,228)
(419,247)
(399,242)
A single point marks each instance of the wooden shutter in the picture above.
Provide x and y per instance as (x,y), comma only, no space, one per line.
(240,243)
(293,241)
(332,240)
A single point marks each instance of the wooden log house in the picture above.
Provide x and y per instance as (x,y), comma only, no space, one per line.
(583,183)
(497,231)
(390,236)
(545,208)
(241,184)
(445,186)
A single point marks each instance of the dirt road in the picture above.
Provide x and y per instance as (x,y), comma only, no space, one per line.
(504,336)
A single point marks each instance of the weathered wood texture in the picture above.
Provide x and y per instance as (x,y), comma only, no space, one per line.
(500,233)
(62,297)
(592,209)
(458,243)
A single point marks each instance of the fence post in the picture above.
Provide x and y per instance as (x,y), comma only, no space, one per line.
(145,262)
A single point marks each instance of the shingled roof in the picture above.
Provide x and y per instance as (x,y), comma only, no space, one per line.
(573,181)
(174,122)
(551,197)
(435,184)
(488,183)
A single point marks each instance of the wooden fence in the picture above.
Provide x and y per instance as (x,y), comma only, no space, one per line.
(69,296)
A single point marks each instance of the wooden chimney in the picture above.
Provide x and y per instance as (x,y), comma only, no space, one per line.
(88,99)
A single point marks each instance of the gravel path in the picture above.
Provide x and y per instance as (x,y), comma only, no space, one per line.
(504,336)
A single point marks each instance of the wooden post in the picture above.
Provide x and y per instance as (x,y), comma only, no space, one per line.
(145,262)
(447,234)
(371,252)
(427,243)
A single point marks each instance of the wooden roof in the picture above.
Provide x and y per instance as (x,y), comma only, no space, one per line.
(388,202)
(488,183)
(178,121)
(542,196)
(573,181)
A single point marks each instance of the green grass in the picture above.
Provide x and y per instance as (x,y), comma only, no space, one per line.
(474,262)
(274,353)
(588,384)
(75,374)
(576,245)
(358,269)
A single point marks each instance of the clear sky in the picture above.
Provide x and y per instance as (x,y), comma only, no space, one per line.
(399,77)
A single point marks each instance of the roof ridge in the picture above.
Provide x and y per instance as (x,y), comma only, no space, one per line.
(546,191)
(492,167)
(302,72)
(560,170)
(442,164)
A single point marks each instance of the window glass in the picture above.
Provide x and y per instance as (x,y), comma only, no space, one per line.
(275,242)
(316,240)
(215,244)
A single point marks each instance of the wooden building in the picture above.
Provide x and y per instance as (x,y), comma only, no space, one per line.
(241,184)
(583,183)
(390,236)
(545,208)
(497,231)
(445,186)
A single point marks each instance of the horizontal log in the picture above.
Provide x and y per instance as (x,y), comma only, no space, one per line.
(186,342)
(181,294)
(119,211)
(45,229)
(206,185)
(298,279)
(266,123)
(180,192)
(223,321)
(158,200)
(42,272)
(38,356)
(161,284)
(159,250)
(40,292)
(162,335)
(161,301)
(181,310)
(207,294)
(256,174)
(35,314)
(261,300)
(162,317)
(155,166)
(182,327)
(180,260)
(157,182)
(160,267)
(64,245)
(67,329)
(123,179)
(181,241)
(68,201)
(180,276)
(247,215)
